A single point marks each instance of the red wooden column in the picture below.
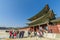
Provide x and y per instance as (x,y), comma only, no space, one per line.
(37,28)
(31,28)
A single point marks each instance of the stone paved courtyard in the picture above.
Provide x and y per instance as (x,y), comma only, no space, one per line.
(30,38)
(5,36)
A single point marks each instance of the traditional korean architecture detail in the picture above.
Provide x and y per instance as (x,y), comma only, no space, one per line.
(45,19)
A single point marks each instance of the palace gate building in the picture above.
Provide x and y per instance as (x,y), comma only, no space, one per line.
(46,20)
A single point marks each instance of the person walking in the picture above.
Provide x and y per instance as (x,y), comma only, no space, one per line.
(29,33)
(22,34)
(17,34)
(14,34)
(10,32)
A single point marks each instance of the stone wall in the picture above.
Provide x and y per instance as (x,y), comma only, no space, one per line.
(54,28)
(24,29)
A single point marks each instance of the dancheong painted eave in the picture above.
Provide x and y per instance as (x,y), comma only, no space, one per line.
(49,15)
(57,20)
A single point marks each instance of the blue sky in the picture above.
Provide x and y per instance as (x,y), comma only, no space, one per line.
(14,13)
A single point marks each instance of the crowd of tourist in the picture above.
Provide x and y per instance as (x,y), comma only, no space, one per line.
(16,34)
(20,34)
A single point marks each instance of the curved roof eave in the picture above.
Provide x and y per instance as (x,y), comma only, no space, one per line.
(45,9)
